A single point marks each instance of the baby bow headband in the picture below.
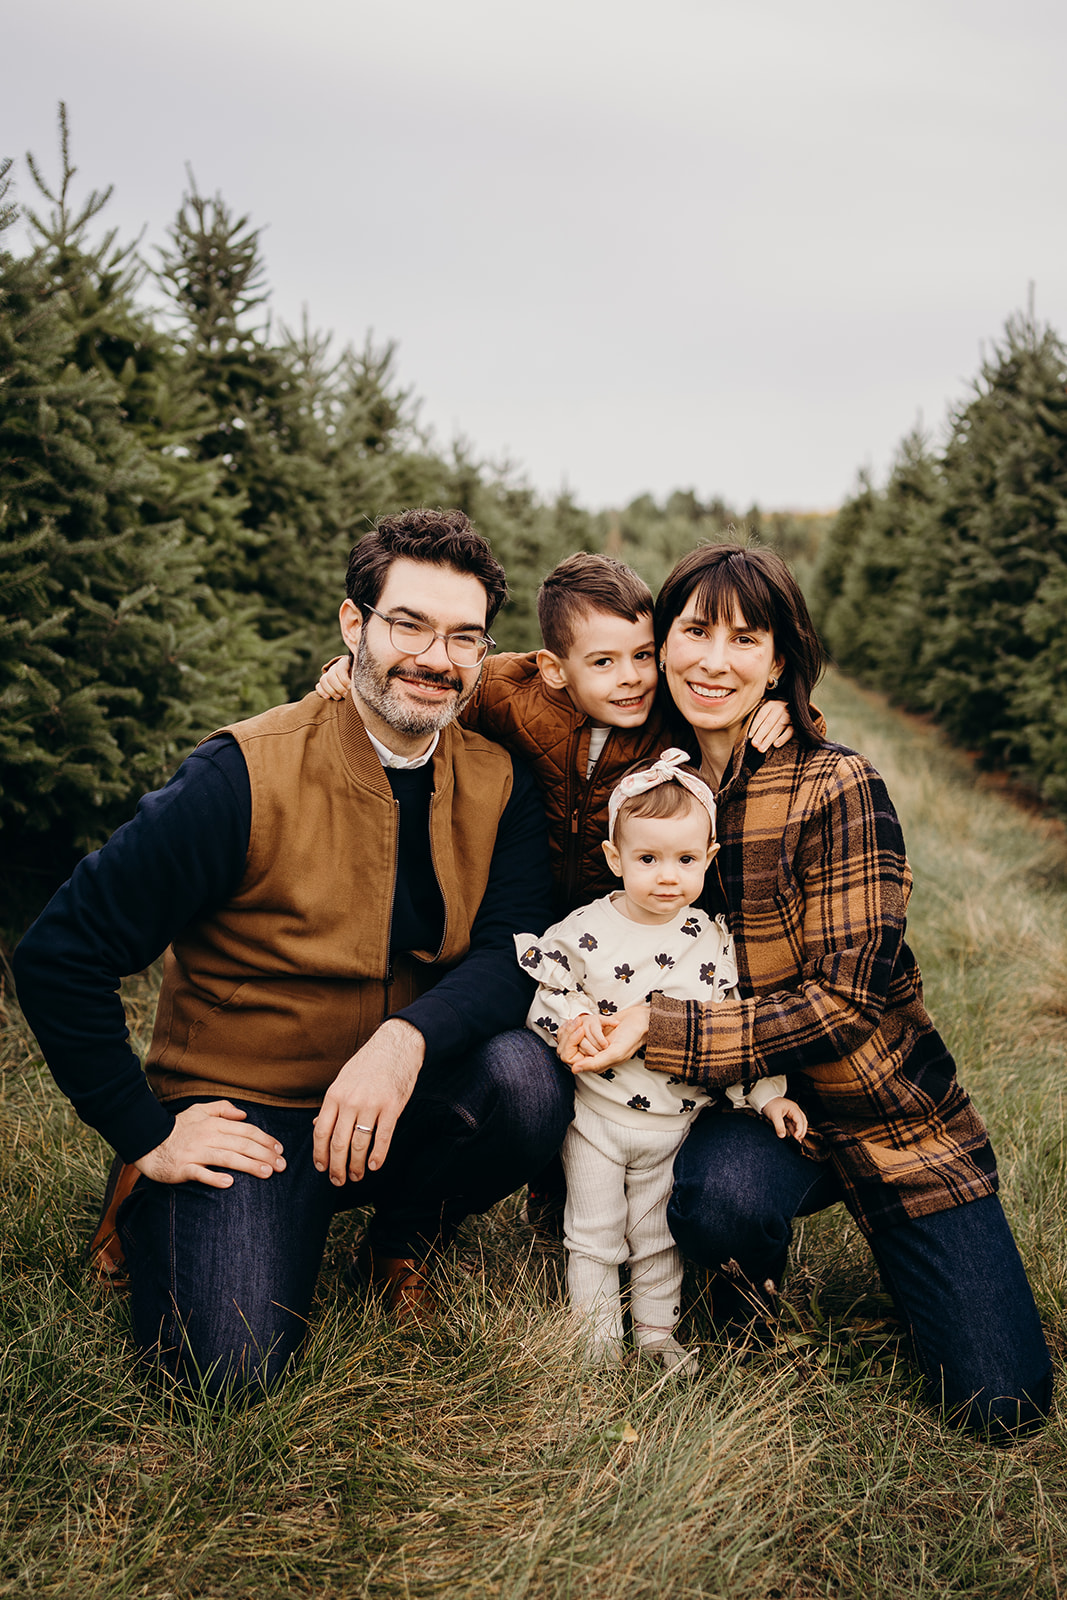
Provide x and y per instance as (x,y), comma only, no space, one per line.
(666,770)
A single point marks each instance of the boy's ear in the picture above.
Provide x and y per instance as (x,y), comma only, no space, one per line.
(351,620)
(552,669)
(614,859)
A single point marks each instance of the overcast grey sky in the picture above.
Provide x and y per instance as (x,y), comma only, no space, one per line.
(733,245)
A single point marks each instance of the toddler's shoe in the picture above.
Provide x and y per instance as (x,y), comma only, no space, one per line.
(671,1356)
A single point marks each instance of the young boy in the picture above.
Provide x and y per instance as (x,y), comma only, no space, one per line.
(581,710)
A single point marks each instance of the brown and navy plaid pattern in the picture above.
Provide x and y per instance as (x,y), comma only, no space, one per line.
(814,880)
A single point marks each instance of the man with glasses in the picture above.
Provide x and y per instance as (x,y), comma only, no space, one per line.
(338,883)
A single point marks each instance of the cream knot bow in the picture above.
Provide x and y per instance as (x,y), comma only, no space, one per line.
(666,770)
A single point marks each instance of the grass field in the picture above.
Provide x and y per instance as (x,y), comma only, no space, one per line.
(481,1461)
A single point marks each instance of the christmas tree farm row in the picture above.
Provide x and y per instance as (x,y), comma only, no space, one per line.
(180,484)
(947,589)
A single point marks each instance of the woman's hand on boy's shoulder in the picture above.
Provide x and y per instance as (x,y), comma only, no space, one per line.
(771,725)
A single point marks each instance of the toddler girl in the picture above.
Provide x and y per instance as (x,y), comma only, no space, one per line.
(629,1122)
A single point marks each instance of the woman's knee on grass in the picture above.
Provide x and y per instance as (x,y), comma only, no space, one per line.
(718,1228)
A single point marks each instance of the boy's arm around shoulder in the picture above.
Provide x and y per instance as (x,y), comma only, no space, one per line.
(512,701)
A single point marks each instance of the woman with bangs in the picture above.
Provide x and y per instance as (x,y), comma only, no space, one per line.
(812,875)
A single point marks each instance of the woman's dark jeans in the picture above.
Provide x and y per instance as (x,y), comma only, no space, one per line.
(222,1279)
(955,1277)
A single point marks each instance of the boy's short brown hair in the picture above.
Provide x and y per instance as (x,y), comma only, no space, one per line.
(587,582)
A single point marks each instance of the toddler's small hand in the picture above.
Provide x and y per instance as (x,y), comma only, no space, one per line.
(580,1038)
(786,1118)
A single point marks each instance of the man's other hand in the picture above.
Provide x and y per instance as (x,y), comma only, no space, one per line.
(359,1112)
(215,1134)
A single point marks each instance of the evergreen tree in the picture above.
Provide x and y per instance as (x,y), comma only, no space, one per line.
(1005,474)
(949,588)
(273,420)
(878,583)
(1040,698)
(114,654)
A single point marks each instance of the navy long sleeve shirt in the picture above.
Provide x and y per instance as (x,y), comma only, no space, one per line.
(183,854)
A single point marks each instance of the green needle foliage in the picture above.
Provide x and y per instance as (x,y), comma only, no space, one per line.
(115,653)
(948,588)
(262,425)
(180,485)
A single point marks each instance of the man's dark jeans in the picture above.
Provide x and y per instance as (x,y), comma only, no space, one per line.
(222,1279)
(955,1277)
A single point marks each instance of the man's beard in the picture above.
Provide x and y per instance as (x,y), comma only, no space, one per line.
(377,690)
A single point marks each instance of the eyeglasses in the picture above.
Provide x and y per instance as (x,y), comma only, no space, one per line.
(414,638)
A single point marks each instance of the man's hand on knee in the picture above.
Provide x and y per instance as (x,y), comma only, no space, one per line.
(207,1136)
(361,1106)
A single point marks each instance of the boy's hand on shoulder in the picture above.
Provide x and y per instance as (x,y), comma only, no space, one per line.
(334,680)
(771,726)
(786,1118)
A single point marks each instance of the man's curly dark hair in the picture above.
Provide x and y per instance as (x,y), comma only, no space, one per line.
(443,538)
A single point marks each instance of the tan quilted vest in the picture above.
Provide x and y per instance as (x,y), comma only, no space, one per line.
(267,997)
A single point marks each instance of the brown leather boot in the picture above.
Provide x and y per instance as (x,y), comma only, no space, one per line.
(106,1260)
(401,1282)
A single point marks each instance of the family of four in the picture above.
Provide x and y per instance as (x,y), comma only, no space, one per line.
(352,893)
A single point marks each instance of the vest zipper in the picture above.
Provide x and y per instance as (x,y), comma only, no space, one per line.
(569,875)
(437,878)
(578,815)
(392,901)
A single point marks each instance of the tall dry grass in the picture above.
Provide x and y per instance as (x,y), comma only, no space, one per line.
(482,1460)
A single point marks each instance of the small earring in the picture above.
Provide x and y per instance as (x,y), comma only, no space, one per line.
(663,663)
(772,683)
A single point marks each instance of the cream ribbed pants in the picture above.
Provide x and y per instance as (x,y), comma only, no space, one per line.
(618,1183)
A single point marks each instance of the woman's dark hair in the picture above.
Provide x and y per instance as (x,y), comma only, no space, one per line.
(717,577)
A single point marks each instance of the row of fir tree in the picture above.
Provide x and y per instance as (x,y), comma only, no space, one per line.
(181,480)
(947,589)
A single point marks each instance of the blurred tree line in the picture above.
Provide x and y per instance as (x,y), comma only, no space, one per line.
(181,481)
(947,589)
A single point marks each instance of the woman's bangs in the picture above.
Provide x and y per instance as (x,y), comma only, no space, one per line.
(731,586)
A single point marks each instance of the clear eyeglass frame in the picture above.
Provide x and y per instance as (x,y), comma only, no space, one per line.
(413,638)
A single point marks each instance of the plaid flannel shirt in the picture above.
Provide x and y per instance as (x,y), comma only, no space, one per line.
(814,880)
